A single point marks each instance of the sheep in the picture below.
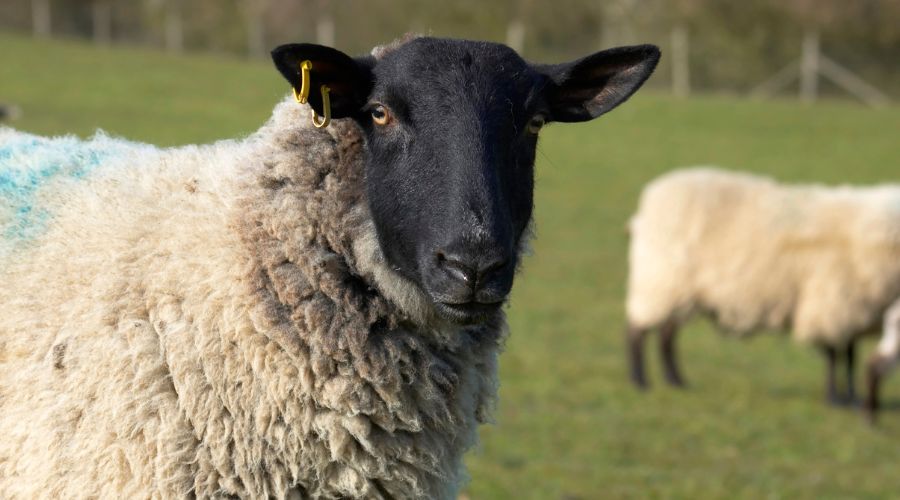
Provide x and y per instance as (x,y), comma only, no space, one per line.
(883,360)
(312,311)
(752,254)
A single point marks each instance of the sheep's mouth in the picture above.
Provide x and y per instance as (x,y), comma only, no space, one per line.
(467,313)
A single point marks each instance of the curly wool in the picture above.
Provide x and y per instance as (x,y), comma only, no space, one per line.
(823,261)
(218,320)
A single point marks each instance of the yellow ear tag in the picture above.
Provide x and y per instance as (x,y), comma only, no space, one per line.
(326,108)
(303,96)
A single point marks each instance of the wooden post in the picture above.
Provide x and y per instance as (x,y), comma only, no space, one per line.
(325,24)
(812,64)
(515,30)
(515,35)
(778,82)
(101,21)
(617,26)
(681,70)
(809,67)
(853,84)
(256,29)
(609,36)
(174,27)
(40,17)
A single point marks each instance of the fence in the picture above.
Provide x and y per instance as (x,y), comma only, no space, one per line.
(724,47)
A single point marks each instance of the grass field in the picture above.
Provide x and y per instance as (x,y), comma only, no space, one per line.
(569,426)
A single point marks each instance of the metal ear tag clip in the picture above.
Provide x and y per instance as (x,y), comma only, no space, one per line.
(326,108)
(303,96)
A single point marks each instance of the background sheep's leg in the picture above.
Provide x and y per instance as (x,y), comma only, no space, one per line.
(667,334)
(874,371)
(634,338)
(831,392)
(879,365)
(850,357)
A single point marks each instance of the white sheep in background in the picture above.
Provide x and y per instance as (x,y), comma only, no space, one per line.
(823,262)
(310,312)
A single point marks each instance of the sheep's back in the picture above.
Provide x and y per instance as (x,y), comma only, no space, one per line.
(98,237)
(755,253)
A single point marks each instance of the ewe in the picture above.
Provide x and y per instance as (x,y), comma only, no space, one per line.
(310,312)
(823,262)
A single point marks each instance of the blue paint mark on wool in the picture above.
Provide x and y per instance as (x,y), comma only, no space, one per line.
(28,163)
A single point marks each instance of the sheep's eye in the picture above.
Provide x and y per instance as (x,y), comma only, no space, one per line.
(535,124)
(381,115)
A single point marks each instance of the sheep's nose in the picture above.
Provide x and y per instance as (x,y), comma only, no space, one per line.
(468,283)
(457,269)
(470,277)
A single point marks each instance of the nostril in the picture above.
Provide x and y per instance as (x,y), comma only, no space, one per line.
(486,271)
(457,269)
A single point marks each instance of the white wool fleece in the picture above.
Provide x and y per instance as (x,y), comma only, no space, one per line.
(218,321)
(822,261)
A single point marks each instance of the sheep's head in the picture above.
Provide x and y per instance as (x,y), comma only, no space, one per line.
(451,130)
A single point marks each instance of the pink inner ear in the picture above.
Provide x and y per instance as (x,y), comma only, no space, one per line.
(614,81)
(622,70)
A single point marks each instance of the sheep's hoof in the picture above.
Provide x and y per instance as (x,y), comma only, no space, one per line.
(870,412)
(640,382)
(841,401)
(870,417)
(676,381)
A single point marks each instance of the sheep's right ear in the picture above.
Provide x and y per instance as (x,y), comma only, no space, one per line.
(349,80)
(585,89)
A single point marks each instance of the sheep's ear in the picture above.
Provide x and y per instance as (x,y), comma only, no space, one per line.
(586,88)
(349,80)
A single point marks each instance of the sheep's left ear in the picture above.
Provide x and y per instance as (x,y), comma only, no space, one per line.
(349,80)
(586,88)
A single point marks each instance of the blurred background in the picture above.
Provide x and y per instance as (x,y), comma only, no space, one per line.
(711,45)
(802,90)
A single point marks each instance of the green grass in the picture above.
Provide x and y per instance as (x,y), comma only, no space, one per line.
(752,424)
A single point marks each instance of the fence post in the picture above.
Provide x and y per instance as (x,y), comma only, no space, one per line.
(853,84)
(515,35)
(809,67)
(681,69)
(40,17)
(256,28)
(324,24)
(174,26)
(101,21)
(515,30)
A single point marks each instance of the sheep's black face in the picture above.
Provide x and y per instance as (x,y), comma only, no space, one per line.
(450,171)
(452,128)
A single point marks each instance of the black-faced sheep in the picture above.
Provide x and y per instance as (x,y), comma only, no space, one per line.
(310,312)
(823,262)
